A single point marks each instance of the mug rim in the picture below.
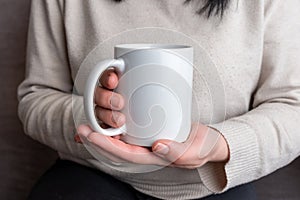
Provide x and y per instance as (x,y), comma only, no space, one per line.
(152,46)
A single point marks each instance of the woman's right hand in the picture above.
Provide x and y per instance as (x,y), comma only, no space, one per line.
(109,103)
(107,110)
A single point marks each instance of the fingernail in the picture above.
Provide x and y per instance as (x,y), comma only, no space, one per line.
(161,149)
(77,139)
(117,119)
(115,101)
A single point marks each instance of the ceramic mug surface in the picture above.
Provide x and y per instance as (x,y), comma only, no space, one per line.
(156,83)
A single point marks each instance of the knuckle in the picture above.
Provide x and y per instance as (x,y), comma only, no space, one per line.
(109,99)
(102,115)
(102,97)
(111,118)
(99,114)
(108,118)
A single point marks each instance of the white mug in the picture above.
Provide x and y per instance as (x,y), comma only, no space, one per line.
(156,83)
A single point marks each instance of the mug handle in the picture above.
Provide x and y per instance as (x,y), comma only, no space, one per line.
(90,86)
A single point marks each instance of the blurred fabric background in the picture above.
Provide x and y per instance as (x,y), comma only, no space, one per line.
(23,161)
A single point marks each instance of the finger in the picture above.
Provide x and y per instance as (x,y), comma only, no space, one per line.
(169,150)
(112,118)
(127,152)
(105,156)
(179,153)
(119,149)
(84,130)
(109,79)
(108,99)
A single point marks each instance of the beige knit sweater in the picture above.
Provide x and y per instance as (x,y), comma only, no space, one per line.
(246,82)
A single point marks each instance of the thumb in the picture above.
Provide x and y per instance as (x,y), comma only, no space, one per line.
(168,149)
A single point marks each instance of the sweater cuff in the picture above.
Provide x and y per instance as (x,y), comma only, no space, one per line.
(243,162)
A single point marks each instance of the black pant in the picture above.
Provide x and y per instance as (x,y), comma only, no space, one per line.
(67,180)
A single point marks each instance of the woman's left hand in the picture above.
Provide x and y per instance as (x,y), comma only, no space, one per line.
(203,145)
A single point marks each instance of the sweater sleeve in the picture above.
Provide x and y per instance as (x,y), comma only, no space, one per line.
(267,137)
(45,96)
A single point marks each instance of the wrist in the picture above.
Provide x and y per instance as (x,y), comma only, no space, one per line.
(220,153)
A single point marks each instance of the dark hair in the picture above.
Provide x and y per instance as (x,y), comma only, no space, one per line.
(210,7)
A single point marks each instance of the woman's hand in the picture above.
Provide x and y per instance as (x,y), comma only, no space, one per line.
(203,145)
(118,151)
(107,110)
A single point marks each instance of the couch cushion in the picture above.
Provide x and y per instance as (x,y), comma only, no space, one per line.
(22,160)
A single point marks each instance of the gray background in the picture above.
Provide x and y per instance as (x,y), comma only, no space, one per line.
(23,160)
